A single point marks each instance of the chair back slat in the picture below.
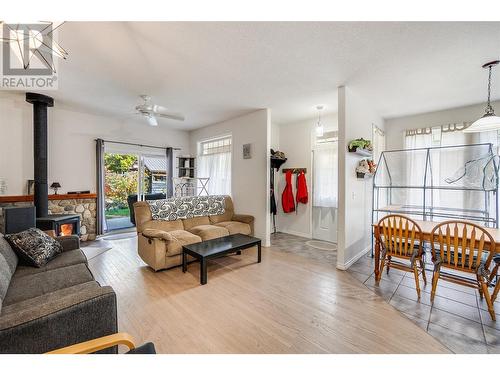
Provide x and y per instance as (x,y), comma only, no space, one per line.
(465,248)
(455,244)
(412,242)
(472,246)
(448,244)
(462,246)
(480,249)
(400,235)
(407,224)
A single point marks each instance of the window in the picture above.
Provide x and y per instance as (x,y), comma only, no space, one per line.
(325,174)
(214,162)
(216,146)
(438,136)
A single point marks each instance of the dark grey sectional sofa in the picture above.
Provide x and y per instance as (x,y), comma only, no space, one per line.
(60,304)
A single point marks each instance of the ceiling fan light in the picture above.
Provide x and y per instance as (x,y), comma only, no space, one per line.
(486,123)
(152,121)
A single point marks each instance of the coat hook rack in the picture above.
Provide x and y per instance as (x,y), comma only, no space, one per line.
(295,170)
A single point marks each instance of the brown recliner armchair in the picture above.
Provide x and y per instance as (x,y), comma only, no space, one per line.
(160,241)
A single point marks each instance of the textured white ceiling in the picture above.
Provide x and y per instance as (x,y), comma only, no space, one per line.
(213,71)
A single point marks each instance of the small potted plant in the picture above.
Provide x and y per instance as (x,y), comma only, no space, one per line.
(365,168)
(360,143)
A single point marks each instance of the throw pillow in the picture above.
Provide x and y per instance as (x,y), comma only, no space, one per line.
(34,246)
(187,207)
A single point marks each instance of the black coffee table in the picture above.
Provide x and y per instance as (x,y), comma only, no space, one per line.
(216,248)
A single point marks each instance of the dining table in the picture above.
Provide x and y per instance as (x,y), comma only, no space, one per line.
(426,228)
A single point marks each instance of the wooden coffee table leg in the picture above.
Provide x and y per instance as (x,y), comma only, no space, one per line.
(203,271)
(259,255)
(184,262)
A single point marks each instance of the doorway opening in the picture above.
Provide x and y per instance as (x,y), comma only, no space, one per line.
(131,175)
(325,187)
(120,180)
(310,230)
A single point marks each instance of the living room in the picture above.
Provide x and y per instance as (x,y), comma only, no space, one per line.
(249,187)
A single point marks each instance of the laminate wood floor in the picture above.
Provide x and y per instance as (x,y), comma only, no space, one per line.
(286,304)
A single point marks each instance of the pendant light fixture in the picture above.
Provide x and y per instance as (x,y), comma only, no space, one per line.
(489,121)
(320,130)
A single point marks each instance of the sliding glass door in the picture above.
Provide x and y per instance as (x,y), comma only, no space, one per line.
(131,174)
(121,181)
(153,175)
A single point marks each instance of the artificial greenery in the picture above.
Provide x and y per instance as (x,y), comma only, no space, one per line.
(360,143)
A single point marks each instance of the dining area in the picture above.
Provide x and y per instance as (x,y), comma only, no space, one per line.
(444,276)
(461,252)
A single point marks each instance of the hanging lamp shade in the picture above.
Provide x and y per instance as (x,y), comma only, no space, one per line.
(489,121)
(486,123)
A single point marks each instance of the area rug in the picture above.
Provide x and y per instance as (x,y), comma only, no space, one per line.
(312,249)
(95,248)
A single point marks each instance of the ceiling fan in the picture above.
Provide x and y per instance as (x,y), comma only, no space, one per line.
(153,111)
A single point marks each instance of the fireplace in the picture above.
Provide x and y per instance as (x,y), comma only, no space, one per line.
(59,224)
(62,225)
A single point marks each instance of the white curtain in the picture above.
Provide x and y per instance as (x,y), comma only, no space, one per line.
(325,175)
(444,165)
(218,168)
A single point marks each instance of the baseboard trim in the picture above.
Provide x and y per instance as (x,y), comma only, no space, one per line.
(294,233)
(353,260)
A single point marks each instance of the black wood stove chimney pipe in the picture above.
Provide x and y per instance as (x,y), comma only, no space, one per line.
(40,103)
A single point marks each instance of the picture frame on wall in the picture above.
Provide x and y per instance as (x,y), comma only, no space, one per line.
(247,151)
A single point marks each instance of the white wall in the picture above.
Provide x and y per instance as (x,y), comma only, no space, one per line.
(275,137)
(395,127)
(296,140)
(249,177)
(355,195)
(71,143)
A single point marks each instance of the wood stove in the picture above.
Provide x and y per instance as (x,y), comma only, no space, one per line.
(62,225)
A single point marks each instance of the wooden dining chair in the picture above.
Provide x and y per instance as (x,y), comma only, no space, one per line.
(494,274)
(467,248)
(401,243)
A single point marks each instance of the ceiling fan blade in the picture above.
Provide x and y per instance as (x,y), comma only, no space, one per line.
(164,112)
(152,120)
(172,116)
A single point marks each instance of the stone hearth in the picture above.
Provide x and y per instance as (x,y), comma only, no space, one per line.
(85,207)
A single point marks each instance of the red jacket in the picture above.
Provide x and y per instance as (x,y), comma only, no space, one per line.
(302,195)
(287,200)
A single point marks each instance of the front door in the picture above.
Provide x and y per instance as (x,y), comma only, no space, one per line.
(325,186)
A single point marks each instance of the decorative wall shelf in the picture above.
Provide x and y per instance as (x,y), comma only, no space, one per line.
(186,166)
(364,176)
(364,153)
